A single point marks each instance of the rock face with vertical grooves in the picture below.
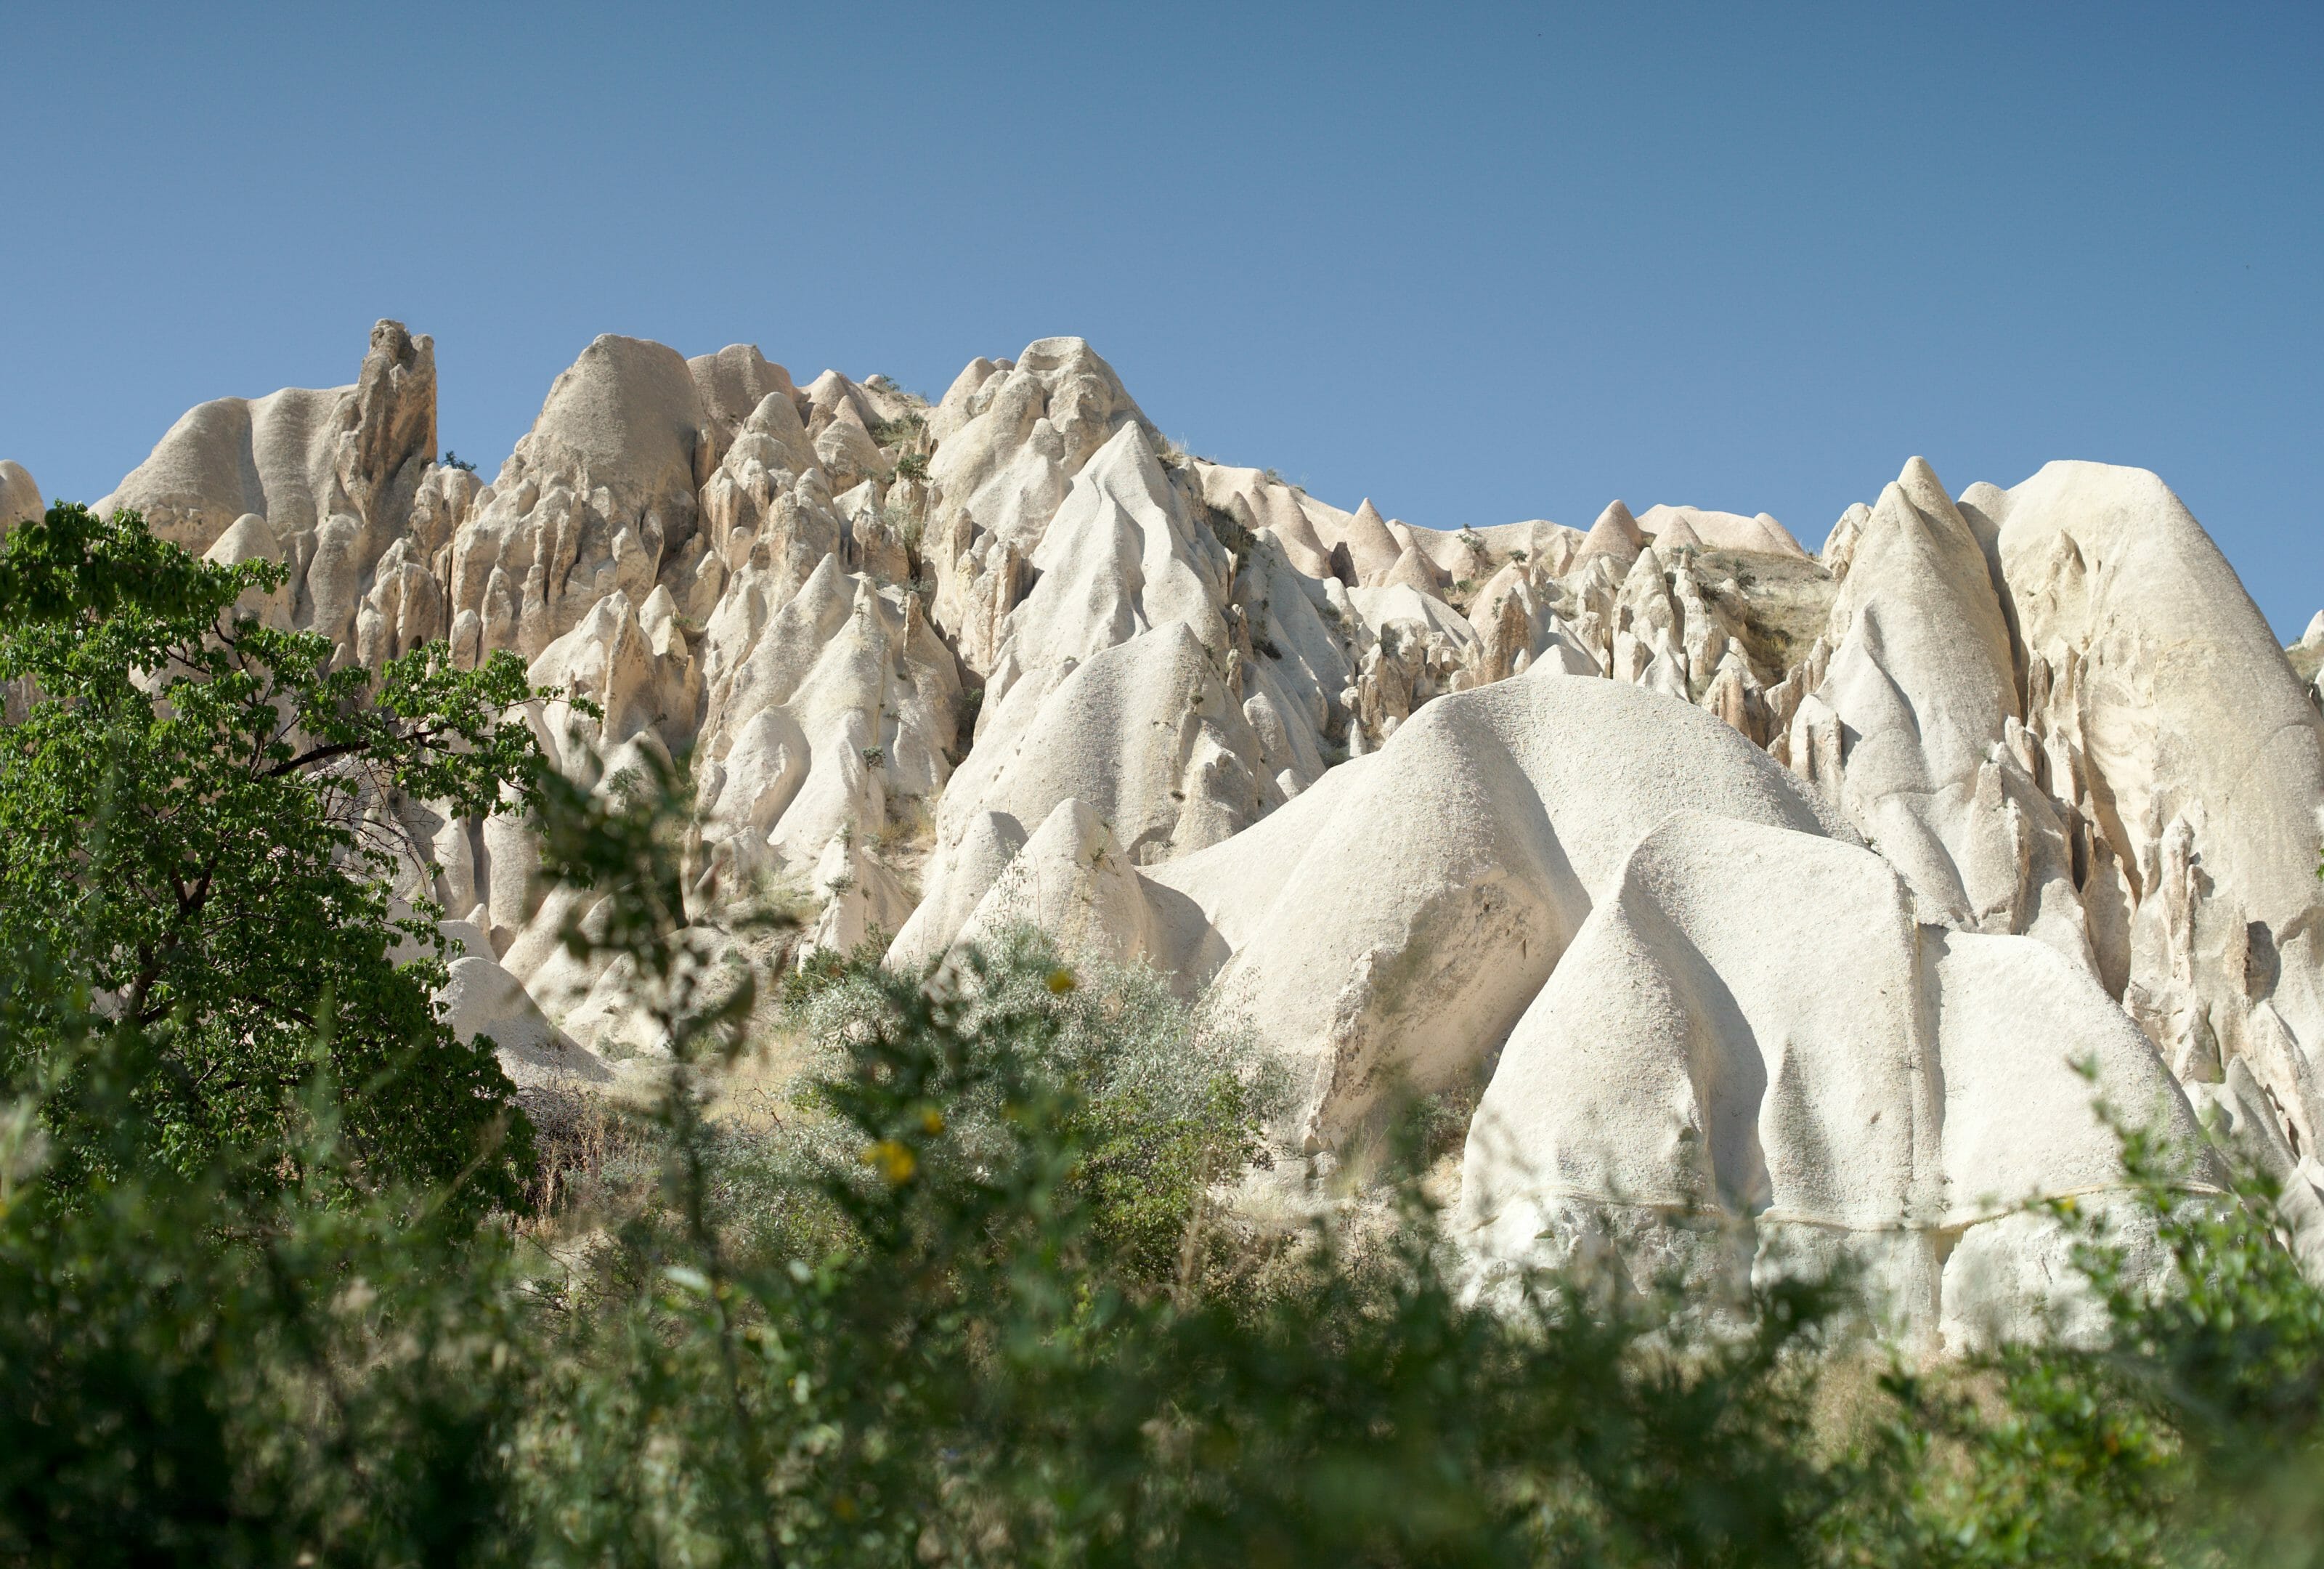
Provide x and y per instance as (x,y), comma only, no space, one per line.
(1726,883)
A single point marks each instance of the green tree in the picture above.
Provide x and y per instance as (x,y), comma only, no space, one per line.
(197,821)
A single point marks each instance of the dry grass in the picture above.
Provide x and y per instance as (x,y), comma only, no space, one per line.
(598,1155)
(904,842)
(754,1092)
(1785,606)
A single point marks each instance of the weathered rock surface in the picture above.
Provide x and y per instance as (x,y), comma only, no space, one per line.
(1379,958)
(20,497)
(1705,1047)
(1730,883)
(1671,527)
(1936,765)
(2172,729)
(336,474)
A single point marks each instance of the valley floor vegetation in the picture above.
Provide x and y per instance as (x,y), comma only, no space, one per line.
(288,1275)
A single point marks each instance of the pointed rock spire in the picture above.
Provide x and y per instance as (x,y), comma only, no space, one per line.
(1371,547)
(1616,535)
(1679,532)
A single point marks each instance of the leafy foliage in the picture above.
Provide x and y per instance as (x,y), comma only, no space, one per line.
(198,815)
(199,1372)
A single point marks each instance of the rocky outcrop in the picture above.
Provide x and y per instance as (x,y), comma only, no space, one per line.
(1615,536)
(337,475)
(1756,901)
(20,497)
(1671,527)
(2169,725)
(597,497)
(1700,1055)
(1936,766)
(1010,436)
(1377,959)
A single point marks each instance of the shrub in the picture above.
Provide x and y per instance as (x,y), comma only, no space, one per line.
(197,824)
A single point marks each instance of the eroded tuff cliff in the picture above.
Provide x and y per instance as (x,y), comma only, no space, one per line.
(1715,875)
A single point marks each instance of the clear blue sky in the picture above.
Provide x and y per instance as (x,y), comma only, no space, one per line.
(1478,262)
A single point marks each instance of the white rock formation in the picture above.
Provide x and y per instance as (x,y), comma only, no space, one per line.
(20,498)
(597,496)
(1936,765)
(1388,926)
(2170,726)
(1705,1046)
(1615,535)
(484,999)
(337,475)
(1671,527)
(1733,885)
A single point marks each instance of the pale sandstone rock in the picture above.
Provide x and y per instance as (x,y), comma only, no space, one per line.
(864,699)
(953,409)
(846,452)
(768,520)
(1365,551)
(1258,502)
(1121,558)
(862,897)
(335,474)
(248,538)
(1676,533)
(481,998)
(1457,556)
(1700,1048)
(2167,718)
(1294,661)
(20,498)
(296,457)
(1009,443)
(1413,570)
(974,849)
(2051,710)
(1072,881)
(1146,735)
(1648,648)
(598,495)
(1934,767)
(733,385)
(1416,648)
(1615,536)
(1671,527)
(1734,696)
(1372,956)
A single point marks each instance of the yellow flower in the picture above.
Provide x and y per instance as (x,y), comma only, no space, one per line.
(895,1160)
(1061,980)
